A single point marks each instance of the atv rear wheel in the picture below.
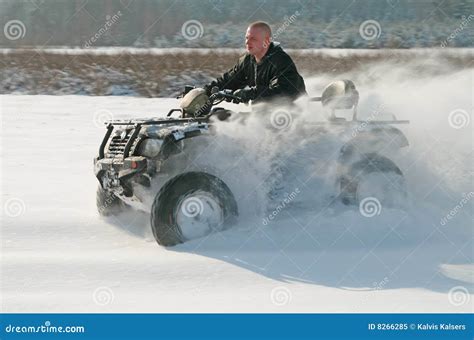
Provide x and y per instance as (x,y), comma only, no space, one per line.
(107,203)
(376,177)
(190,206)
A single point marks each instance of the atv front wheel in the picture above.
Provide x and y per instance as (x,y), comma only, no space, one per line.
(190,206)
(107,203)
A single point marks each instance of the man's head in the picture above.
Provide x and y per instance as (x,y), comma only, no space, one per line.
(257,38)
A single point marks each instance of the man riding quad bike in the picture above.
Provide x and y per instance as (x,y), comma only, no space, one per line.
(262,74)
(191,179)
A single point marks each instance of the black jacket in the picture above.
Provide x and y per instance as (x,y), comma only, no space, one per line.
(274,77)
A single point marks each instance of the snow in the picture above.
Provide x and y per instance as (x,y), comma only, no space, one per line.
(58,255)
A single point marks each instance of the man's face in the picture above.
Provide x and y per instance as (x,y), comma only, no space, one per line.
(256,40)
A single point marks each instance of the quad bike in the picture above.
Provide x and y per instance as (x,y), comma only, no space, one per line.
(155,158)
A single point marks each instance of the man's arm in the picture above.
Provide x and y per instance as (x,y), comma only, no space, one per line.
(233,79)
(286,81)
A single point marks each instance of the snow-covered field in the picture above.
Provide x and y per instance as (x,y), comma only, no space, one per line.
(58,255)
(163,72)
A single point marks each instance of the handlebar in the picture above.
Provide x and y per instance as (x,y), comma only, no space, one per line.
(214,99)
(217,96)
(224,95)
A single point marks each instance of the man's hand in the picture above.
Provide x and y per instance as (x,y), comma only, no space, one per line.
(245,94)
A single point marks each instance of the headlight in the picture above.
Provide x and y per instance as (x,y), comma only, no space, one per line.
(150,147)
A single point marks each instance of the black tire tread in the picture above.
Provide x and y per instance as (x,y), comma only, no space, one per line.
(107,203)
(164,227)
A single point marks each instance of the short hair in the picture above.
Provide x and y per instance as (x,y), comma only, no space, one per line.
(262,25)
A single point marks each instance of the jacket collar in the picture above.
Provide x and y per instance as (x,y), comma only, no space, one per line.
(272,49)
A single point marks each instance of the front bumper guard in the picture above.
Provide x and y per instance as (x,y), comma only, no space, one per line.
(113,172)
